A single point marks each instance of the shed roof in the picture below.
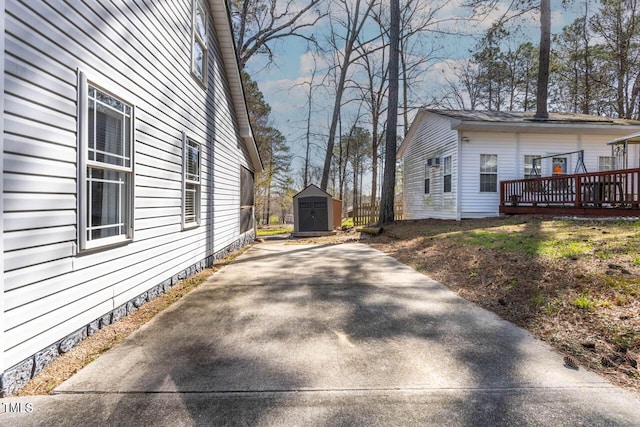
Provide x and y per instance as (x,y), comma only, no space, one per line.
(313,189)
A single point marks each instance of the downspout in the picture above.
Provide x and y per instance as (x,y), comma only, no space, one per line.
(459,177)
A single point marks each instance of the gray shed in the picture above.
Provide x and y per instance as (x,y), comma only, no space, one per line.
(313,211)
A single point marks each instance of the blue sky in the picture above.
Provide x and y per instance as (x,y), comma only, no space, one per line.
(283,87)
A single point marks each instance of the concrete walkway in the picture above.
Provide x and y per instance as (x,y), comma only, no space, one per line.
(328,335)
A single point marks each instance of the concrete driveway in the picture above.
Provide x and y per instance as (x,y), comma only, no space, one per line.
(328,335)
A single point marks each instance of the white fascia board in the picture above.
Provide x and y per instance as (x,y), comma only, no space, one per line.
(224,32)
(537,127)
(412,131)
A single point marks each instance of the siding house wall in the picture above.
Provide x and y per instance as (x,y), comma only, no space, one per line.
(432,138)
(465,136)
(140,52)
(511,149)
(473,203)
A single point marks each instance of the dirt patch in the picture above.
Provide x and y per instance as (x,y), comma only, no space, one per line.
(573,284)
(346,235)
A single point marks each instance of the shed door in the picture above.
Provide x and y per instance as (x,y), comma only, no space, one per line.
(314,213)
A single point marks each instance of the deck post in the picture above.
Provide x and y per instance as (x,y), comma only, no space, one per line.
(578,200)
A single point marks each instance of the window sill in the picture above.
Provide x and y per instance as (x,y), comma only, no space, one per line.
(202,82)
(106,243)
(190,226)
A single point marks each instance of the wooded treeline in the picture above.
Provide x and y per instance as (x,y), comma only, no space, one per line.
(594,69)
(348,41)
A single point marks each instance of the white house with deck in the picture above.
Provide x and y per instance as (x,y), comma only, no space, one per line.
(453,161)
(128,163)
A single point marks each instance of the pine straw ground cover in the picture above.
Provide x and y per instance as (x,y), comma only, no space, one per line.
(63,367)
(574,284)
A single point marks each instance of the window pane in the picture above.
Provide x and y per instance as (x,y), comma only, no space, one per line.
(91,129)
(109,139)
(109,101)
(528,165)
(190,202)
(489,163)
(198,60)
(201,22)
(447,165)
(106,203)
(447,183)
(427,186)
(193,161)
(488,183)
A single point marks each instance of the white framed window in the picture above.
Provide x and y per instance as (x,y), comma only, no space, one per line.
(529,170)
(488,173)
(199,50)
(447,174)
(427,180)
(606,163)
(105,167)
(191,189)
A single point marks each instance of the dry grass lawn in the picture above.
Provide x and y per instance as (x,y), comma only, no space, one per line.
(574,284)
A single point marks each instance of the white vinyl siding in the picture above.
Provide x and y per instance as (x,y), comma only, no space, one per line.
(142,52)
(3,246)
(475,203)
(433,138)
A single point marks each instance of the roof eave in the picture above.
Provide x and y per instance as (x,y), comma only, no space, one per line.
(412,130)
(542,127)
(224,32)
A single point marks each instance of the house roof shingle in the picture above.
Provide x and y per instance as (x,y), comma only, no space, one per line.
(523,122)
(528,117)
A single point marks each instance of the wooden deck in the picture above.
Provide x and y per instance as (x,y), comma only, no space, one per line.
(610,193)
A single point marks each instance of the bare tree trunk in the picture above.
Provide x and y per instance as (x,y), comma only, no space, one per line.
(268,204)
(355,184)
(405,89)
(306,156)
(334,122)
(355,23)
(586,103)
(543,65)
(389,181)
